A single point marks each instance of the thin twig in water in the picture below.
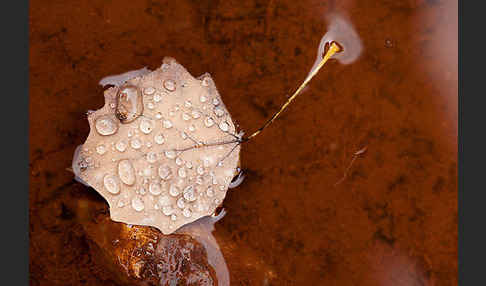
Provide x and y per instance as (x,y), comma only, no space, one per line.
(355,155)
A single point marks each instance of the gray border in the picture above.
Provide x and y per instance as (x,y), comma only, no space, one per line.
(15,78)
(471,142)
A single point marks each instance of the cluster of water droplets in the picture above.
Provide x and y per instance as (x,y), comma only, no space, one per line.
(161,179)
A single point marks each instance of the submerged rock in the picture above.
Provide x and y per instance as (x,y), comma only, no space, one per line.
(142,255)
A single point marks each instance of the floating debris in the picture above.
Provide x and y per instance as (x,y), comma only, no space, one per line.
(153,151)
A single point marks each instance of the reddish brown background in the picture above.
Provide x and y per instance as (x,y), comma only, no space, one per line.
(392,221)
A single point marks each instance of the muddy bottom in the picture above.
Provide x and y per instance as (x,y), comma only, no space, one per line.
(312,209)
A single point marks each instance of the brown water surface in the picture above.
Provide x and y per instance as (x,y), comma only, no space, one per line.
(392,220)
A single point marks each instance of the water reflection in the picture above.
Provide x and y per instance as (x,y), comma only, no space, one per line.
(201,230)
(340,30)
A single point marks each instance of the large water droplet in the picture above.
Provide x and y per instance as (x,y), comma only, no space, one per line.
(174,190)
(164,201)
(121,145)
(126,172)
(151,157)
(182,172)
(159,139)
(167,210)
(180,203)
(146,125)
(210,192)
(136,143)
(105,125)
(218,111)
(208,122)
(170,154)
(200,170)
(187,212)
(164,172)
(205,81)
(138,204)
(101,149)
(110,183)
(224,126)
(167,124)
(186,116)
(129,103)
(195,114)
(155,188)
(149,90)
(189,194)
(170,85)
